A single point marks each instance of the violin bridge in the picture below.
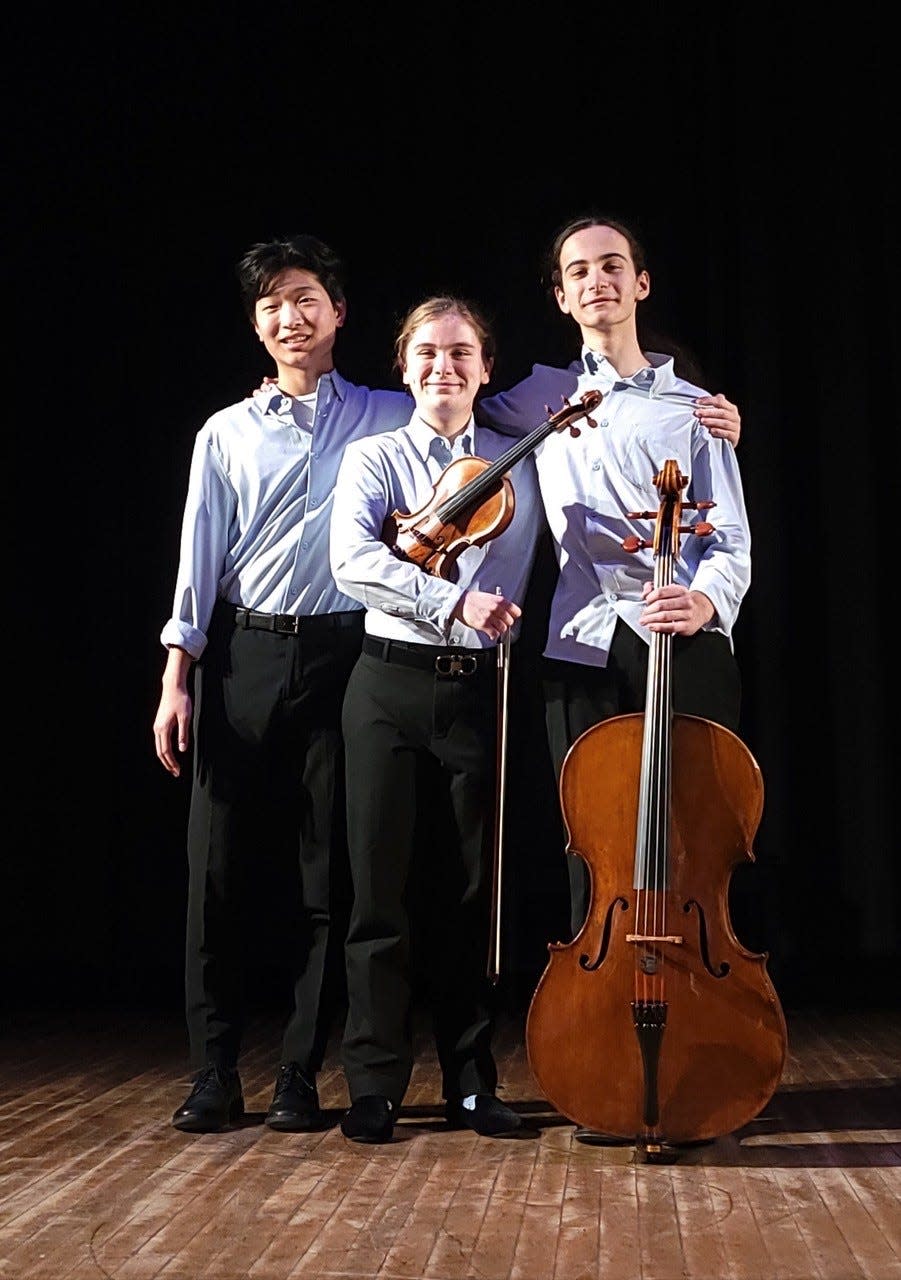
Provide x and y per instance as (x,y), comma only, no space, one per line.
(677,938)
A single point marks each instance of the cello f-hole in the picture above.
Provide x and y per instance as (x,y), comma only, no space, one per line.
(715,971)
(590,965)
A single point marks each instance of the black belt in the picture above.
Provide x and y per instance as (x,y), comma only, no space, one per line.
(288,624)
(431,657)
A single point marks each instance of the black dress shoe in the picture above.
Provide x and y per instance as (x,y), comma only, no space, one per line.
(490,1117)
(370,1119)
(214,1102)
(295,1103)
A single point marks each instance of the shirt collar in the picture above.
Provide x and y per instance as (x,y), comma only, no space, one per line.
(655,379)
(598,365)
(274,400)
(421,436)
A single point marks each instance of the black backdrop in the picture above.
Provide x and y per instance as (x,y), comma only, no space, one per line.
(756,157)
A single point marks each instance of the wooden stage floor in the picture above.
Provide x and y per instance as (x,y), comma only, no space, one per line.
(95,1183)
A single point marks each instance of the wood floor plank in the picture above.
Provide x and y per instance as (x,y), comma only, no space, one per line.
(95,1184)
(828,1248)
(700,1205)
(863,1234)
(787,1249)
(879,1190)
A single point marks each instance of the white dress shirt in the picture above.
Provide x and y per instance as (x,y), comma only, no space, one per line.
(590,484)
(256,520)
(397,472)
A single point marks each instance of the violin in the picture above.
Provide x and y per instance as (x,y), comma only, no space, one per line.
(473,500)
(655,1024)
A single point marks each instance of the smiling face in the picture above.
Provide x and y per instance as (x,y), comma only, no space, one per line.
(296,321)
(444,366)
(599,287)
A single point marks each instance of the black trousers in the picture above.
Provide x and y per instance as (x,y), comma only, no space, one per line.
(705,682)
(421,756)
(268,767)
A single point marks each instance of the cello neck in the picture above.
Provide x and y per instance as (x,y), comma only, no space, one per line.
(652,837)
(655,779)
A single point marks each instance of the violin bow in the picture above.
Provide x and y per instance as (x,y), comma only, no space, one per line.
(503,684)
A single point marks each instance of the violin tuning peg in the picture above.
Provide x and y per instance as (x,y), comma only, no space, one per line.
(575,432)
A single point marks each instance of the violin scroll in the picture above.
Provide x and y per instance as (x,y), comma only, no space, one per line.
(565,417)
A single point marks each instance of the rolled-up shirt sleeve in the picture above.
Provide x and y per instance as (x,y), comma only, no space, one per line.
(205,535)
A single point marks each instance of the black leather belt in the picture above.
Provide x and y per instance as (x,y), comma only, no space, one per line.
(288,624)
(431,657)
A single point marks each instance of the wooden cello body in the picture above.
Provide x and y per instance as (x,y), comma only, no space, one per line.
(655,1024)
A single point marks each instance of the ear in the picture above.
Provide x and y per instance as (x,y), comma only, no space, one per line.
(256,329)
(643,285)
(487,366)
(340,313)
(561,300)
(405,377)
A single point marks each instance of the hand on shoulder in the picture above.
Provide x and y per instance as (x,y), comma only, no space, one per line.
(720,416)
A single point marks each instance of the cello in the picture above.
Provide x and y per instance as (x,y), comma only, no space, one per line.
(654,1024)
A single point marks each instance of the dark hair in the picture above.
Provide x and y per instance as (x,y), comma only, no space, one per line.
(264,261)
(685,361)
(551,274)
(441,305)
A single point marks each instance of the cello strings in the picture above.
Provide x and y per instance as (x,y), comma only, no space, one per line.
(655,789)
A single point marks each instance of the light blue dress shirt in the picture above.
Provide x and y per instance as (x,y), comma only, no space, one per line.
(396,472)
(255,530)
(590,484)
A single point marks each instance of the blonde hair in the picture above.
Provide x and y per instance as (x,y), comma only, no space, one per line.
(431,309)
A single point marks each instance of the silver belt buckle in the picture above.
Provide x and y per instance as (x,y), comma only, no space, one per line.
(455,664)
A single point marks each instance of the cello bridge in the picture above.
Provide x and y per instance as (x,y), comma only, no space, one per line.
(677,938)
